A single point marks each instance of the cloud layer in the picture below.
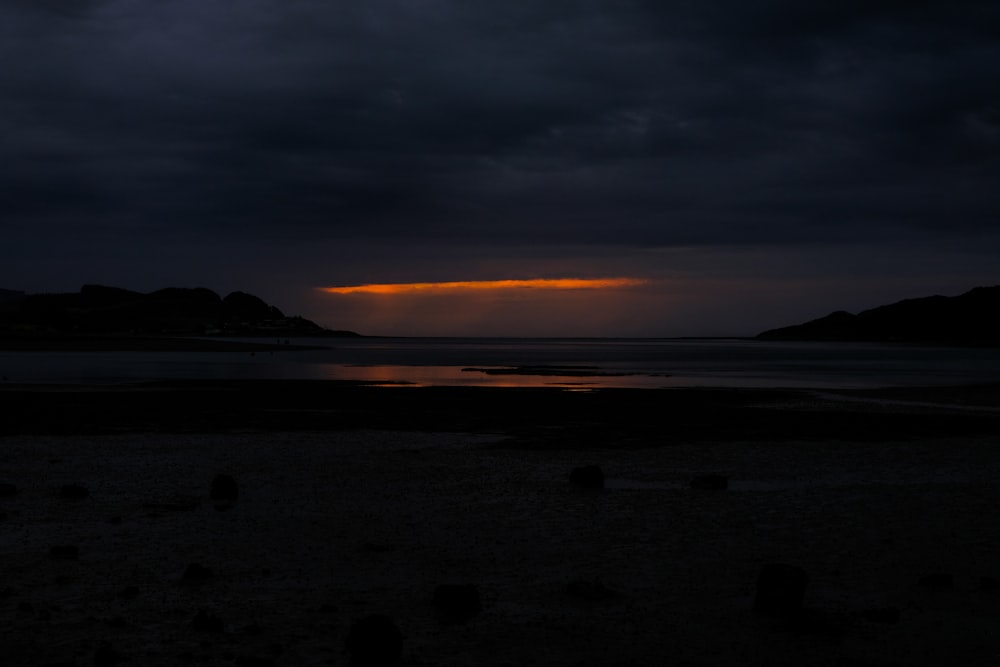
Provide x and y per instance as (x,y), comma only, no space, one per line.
(160,127)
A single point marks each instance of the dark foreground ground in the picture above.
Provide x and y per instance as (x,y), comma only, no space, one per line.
(357,500)
(536,418)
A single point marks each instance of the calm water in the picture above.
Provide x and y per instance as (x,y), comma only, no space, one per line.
(615,362)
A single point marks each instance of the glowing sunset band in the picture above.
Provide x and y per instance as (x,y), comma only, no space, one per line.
(466,285)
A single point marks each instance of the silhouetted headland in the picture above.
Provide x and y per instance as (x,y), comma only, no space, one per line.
(968,319)
(100,317)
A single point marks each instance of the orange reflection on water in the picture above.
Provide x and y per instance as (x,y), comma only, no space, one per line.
(463,285)
(429,376)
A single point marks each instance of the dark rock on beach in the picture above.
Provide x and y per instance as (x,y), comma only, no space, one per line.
(374,640)
(65,552)
(196,573)
(887,615)
(937,580)
(206,621)
(780,590)
(225,491)
(989,584)
(590,591)
(587,477)
(710,482)
(106,656)
(254,661)
(129,593)
(457,603)
(74,492)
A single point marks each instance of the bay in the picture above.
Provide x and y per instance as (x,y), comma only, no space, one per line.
(571,363)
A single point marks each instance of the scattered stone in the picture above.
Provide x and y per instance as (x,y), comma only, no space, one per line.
(225,491)
(374,640)
(196,573)
(7,490)
(937,580)
(457,603)
(815,623)
(887,615)
(74,492)
(253,630)
(781,589)
(65,552)
(989,584)
(590,591)
(587,477)
(207,622)
(129,593)
(253,661)
(710,482)
(176,505)
(105,656)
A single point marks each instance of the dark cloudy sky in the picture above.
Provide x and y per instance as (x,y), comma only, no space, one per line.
(757,162)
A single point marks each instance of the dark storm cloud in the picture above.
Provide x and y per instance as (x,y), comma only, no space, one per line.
(645,123)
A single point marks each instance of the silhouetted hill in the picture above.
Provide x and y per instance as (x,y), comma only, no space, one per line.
(968,319)
(102,310)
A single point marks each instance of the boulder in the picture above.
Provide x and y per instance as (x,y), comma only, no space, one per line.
(208,622)
(196,573)
(587,477)
(457,603)
(254,661)
(106,656)
(73,492)
(374,640)
(781,589)
(590,591)
(887,615)
(937,580)
(65,552)
(129,593)
(224,491)
(710,482)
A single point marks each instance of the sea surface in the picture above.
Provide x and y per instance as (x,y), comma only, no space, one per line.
(525,362)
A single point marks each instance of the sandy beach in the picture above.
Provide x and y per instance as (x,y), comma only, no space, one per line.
(341,514)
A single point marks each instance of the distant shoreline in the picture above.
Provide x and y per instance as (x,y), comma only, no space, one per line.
(84,343)
(248,341)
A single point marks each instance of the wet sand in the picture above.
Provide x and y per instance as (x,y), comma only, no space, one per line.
(360,500)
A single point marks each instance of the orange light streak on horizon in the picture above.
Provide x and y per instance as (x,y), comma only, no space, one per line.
(468,285)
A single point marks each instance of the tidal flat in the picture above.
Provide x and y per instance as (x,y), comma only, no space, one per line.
(354,501)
